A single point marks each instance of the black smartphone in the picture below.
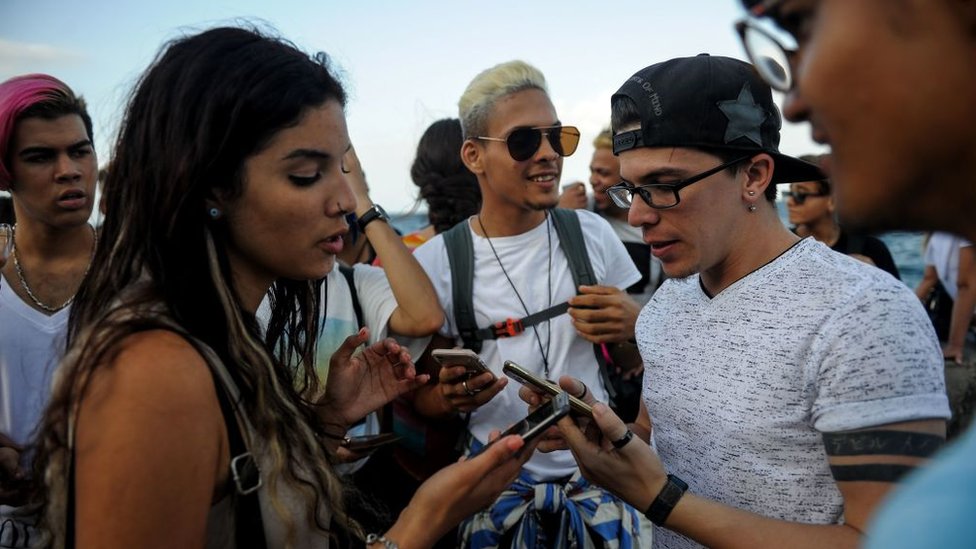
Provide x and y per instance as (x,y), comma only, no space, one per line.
(535,382)
(368,443)
(466,357)
(537,421)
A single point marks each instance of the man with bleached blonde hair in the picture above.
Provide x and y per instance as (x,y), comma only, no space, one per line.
(514,144)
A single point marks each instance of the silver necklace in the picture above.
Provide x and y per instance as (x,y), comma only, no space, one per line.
(544,353)
(27,288)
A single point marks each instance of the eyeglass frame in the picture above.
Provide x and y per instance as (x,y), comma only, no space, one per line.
(748,24)
(801,201)
(673,187)
(544,135)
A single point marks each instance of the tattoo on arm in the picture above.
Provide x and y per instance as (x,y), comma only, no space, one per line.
(904,444)
(882,442)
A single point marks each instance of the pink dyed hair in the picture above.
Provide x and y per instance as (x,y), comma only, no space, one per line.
(17,95)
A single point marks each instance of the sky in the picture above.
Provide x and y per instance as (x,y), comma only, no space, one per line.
(405,64)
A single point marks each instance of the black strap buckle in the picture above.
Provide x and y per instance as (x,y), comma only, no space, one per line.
(247,476)
(510,327)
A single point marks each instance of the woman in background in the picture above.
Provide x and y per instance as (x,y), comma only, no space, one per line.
(811,209)
(450,190)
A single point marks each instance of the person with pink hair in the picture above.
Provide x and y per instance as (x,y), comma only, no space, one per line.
(49,167)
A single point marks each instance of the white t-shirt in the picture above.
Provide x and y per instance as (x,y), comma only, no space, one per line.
(337,321)
(633,236)
(942,252)
(526,258)
(31,345)
(740,387)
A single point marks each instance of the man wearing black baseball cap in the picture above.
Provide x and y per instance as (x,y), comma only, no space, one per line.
(763,352)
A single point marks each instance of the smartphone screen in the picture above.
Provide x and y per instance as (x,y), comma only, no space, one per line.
(535,382)
(540,419)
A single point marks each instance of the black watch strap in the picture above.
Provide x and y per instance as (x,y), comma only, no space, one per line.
(372,214)
(665,501)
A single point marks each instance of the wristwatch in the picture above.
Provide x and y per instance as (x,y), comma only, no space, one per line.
(665,501)
(372,214)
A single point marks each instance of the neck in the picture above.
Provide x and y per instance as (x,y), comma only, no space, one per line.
(508,223)
(825,230)
(39,240)
(761,239)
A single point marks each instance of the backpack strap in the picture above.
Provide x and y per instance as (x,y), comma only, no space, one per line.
(573,244)
(460,255)
(348,273)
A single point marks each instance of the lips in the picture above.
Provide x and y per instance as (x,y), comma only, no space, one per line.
(73,199)
(547,179)
(332,244)
(661,248)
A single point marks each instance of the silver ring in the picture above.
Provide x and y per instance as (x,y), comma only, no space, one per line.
(468,389)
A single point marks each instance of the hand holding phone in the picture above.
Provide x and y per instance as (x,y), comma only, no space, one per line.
(463,357)
(541,385)
(537,421)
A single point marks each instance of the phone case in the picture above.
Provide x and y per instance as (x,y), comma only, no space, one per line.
(533,381)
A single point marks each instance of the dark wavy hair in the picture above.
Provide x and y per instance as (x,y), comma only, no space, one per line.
(207,103)
(449,188)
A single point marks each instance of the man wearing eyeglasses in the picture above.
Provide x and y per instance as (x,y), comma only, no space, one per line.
(514,144)
(890,87)
(763,353)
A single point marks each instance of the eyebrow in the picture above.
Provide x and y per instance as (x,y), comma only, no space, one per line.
(40,149)
(308,153)
(652,177)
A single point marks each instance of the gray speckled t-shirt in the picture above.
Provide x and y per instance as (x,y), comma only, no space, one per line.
(740,387)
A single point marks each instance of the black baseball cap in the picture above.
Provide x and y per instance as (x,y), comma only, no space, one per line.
(708,102)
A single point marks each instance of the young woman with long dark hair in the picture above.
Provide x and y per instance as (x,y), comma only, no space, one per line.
(174,421)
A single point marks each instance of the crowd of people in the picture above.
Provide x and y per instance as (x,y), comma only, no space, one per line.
(242,353)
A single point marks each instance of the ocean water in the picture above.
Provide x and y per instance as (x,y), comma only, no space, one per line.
(906,247)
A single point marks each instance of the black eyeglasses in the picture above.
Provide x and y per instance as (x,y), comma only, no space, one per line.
(661,196)
(800,198)
(524,142)
(772,59)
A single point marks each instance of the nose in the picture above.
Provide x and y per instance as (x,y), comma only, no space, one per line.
(343,201)
(66,168)
(546,151)
(641,214)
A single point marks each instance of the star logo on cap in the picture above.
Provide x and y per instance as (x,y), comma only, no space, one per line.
(745,117)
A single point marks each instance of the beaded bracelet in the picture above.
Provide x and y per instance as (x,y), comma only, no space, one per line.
(375,538)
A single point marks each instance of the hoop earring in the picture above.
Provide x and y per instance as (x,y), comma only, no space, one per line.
(215,213)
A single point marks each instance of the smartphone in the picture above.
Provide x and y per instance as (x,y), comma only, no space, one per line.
(369,443)
(535,382)
(537,421)
(466,357)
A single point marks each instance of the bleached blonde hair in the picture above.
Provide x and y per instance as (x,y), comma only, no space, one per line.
(488,87)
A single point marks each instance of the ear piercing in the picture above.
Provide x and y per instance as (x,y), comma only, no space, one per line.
(215,213)
(752,193)
(752,207)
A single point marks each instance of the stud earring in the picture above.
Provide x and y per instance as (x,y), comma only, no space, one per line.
(752,193)
(752,207)
(214,213)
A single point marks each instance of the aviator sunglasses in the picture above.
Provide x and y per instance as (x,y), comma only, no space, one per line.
(524,142)
(801,197)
